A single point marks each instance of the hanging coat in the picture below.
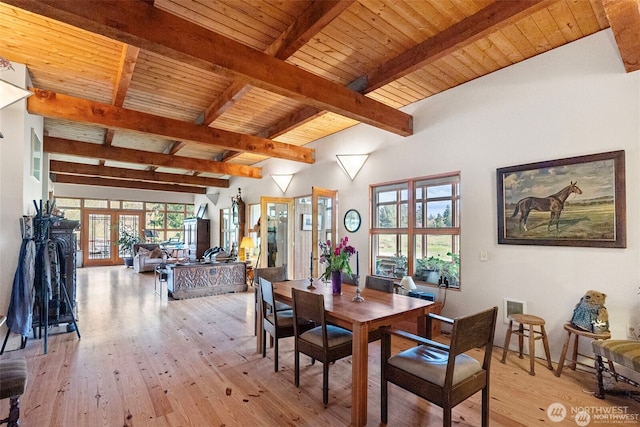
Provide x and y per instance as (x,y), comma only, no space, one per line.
(20,313)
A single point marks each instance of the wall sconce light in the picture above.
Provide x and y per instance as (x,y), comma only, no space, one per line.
(213,197)
(282,181)
(10,93)
(351,163)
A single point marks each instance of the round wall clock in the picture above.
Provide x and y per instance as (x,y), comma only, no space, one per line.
(352,220)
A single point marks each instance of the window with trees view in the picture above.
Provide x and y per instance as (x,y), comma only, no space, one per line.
(416,229)
(164,220)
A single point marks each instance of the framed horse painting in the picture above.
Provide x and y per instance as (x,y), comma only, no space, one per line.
(577,201)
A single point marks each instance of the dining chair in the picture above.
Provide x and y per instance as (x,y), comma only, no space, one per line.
(442,374)
(325,342)
(279,324)
(384,284)
(272,274)
(353,280)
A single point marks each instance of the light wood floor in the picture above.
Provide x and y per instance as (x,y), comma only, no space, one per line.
(193,363)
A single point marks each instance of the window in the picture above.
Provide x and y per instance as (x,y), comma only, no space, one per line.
(228,230)
(161,221)
(422,241)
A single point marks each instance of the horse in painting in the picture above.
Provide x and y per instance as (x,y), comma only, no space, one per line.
(553,203)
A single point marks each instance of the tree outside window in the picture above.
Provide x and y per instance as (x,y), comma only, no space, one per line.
(424,241)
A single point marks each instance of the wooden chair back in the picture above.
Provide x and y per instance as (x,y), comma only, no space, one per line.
(384,284)
(469,332)
(272,274)
(268,299)
(308,307)
(353,280)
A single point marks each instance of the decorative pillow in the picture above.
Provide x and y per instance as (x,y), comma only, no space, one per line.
(143,251)
(156,253)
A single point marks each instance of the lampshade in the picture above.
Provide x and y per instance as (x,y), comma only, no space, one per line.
(247,243)
(407,283)
(282,181)
(10,93)
(351,163)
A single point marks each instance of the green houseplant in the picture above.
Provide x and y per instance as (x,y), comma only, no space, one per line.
(432,268)
(127,237)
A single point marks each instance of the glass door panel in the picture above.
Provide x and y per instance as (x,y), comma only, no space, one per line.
(97,232)
(131,223)
(323,219)
(276,232)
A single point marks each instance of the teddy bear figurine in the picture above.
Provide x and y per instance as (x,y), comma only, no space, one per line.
(590,313)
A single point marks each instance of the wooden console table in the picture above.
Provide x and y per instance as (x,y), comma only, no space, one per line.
(202,279)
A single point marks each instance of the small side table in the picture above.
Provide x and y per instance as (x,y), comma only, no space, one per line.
(530,322)
(160,279)
(572,330)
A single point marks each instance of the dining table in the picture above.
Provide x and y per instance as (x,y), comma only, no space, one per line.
(378,309)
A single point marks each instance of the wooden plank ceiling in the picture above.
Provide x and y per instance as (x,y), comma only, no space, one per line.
(181,95)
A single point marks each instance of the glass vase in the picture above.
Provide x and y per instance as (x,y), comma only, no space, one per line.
(336,282)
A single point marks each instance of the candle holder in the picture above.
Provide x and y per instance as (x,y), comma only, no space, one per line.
(358,297)
(310,286)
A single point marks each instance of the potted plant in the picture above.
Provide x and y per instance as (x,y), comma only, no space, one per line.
(433,268)
(400,269)
(127,238)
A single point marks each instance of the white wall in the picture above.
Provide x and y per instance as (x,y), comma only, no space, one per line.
(18,188)
(572,101)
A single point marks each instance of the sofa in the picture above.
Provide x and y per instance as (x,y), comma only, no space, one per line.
(146,257)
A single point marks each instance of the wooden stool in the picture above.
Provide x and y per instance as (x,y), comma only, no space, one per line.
(572,330)
(530,321)
(13,379)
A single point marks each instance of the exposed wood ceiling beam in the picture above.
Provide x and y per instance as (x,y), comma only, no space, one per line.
(123,80)
(152,29)
(55,105)
(465,32)
(69,168)
(125,73)
(313,20)
(97,151)
(488,20)
(317,16)
(122,183)
(236,90)
(624,19)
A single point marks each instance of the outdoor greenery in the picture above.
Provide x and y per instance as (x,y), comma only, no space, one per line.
(446,268)
(127,238)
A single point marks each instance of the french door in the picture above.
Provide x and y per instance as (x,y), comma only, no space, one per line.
(276,232)
(101,228)
(324,205)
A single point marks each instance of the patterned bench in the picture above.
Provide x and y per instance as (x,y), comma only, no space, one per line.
(624,352)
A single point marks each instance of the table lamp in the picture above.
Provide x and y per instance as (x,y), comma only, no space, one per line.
(407,284)
(245,244)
